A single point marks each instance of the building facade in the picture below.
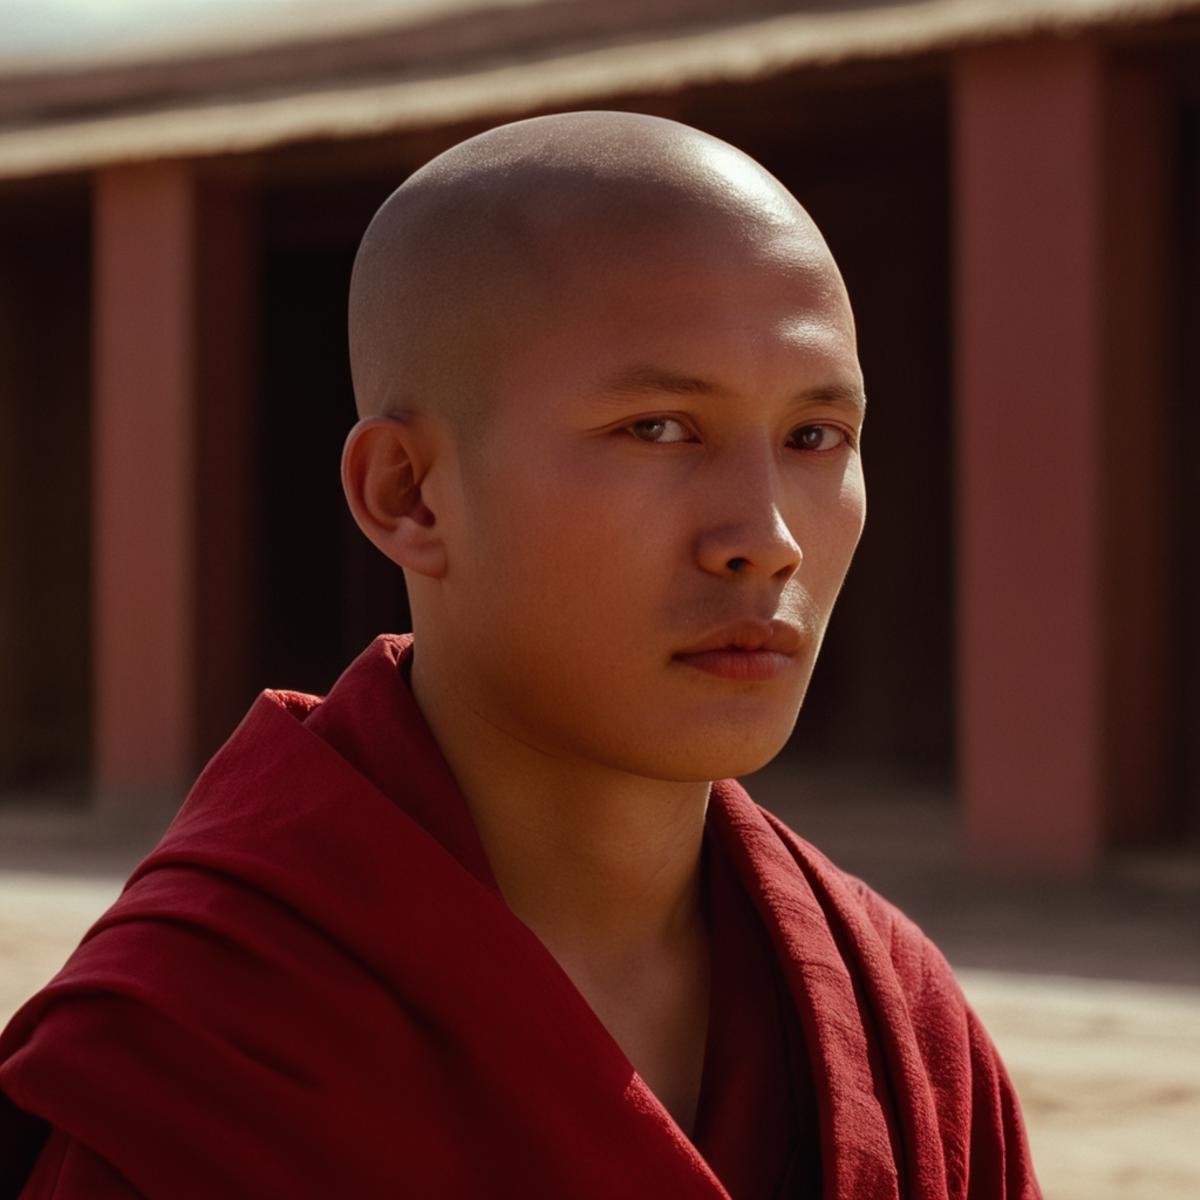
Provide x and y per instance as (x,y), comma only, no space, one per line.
(1011,188)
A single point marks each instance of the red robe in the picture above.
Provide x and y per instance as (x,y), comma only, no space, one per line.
(312,987)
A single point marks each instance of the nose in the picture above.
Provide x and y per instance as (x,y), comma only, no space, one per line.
(749,535)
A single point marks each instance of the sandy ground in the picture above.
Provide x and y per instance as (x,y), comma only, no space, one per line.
(1109,1080)
(1107,1068)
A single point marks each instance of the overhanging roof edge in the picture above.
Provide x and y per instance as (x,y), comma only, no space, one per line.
(758,49)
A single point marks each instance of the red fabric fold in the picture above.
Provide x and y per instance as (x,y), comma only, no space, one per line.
(313,987)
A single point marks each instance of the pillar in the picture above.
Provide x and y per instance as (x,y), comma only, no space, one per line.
(1060,215)
(172,390)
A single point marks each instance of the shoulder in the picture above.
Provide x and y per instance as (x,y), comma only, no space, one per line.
(914,955)
(938,1044)
(887,940)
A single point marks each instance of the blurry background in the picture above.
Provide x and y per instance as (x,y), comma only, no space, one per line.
(1003,732)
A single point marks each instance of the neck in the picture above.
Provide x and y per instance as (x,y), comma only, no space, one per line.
(602,865)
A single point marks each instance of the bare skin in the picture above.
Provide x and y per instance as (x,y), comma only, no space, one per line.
(563,537)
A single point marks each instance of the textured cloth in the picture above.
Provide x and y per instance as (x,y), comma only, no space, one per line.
(756,1119)
(313,987)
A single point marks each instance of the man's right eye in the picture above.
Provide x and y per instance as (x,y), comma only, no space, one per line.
(652,424)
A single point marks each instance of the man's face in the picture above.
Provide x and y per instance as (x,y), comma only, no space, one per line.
(598,524)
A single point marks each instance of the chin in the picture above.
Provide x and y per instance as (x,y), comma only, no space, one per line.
(711,760)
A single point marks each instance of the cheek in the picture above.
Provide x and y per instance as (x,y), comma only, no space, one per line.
(852,500)
(543,546)
(553,595)
(833,533)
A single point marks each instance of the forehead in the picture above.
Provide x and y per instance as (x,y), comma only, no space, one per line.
(722,303)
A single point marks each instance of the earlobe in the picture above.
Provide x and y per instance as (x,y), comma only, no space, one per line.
(381,473)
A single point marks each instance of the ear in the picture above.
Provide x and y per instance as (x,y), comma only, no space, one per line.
(381,472)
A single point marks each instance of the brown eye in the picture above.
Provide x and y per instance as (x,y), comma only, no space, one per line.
(819,437)
(652,425)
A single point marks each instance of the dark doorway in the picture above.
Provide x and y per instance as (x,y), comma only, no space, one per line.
(326,590)
(45,489)
(1187,506)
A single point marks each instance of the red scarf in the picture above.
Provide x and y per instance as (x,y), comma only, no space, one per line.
(312,987)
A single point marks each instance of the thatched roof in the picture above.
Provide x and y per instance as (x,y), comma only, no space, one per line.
(192,78)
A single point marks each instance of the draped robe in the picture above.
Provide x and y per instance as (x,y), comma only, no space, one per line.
(313,987)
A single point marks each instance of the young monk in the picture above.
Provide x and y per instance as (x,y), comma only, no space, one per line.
(493,918)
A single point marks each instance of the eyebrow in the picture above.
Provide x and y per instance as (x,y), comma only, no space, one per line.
(644,380)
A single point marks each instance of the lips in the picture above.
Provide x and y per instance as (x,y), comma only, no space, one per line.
(745,651)
(774,635)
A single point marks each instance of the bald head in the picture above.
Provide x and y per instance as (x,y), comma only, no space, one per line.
(486,238)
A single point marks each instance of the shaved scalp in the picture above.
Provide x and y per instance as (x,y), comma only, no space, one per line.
(475,245)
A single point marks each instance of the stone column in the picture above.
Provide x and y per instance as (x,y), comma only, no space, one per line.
(1061,384)
(173,287)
